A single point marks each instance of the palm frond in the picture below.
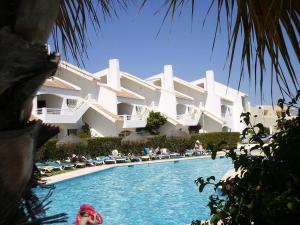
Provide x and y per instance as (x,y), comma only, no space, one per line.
(70,31)
(266,29)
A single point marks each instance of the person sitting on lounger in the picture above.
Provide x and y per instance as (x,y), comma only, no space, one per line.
(157,151)
(198,145)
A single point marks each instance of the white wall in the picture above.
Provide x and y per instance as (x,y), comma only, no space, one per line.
(167,103)
(104,126)
(210,125)
(87,86)
(213,102)
(237,105)
(147,93)
(199,98)
(108,99)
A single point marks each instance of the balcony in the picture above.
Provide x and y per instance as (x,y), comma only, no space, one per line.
(65,115)
(190,119)
(133,116)
(134,121)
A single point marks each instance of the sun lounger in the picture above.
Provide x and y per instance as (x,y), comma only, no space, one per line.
(189,152)
(98,161)
(68,166)
(164,156)
(45,169)
(80,165)
(155,156)
(145,158)
(56,166)
(135,159)
(110,160)
(174,155)
(122,160)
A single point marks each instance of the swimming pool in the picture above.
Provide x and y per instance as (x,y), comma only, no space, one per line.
(160,194)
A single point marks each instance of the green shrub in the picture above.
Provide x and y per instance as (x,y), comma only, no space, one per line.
(85,131)
(104,146)
(217,140)
(267,191)
(154,121)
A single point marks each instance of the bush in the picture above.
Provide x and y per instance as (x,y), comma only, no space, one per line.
(154,121)
(85,131)
(267,191)
(104,146)
(217,140)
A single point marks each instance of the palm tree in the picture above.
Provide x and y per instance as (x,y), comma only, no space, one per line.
(25,26)
(266,29)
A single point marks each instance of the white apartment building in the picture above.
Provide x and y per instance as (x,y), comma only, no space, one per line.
(112,101)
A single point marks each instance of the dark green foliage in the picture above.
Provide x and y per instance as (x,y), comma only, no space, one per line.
(104,146)
(217,140)
(267,192)
(85,131)
(154,121)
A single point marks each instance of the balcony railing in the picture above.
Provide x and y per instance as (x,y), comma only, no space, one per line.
(64,115)
(131,117)
(136,120)
(54,111)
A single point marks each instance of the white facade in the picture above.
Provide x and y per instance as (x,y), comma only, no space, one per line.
(112,101)
(268,115)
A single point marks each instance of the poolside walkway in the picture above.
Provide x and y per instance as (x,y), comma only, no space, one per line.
(89,170)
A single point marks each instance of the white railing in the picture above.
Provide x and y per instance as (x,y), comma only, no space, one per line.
(54,111)
(191,117)
(135,120)
(58,115)
(131,117)
(186,116)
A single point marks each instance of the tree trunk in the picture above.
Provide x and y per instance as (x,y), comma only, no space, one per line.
(24,66)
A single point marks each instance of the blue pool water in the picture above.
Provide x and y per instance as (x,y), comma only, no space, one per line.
(155,194)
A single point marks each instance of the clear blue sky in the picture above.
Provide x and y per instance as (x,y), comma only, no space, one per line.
(187,45)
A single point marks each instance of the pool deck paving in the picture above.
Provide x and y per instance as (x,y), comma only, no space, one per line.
(89,170)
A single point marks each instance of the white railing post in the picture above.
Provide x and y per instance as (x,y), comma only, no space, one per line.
(44,111)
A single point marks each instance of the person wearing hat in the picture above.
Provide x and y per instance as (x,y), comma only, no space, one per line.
(198,145)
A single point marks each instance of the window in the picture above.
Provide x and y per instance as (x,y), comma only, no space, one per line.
(72,132)
(138,109)
(223,109)
(41,104)
(244,103)
(71,103)
(124,133)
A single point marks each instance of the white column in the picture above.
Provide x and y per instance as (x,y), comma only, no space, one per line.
(167,81)
(167,102)
(210,81)
(113,76)
(213,102)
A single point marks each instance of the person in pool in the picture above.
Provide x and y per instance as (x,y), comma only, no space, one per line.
(86,219)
